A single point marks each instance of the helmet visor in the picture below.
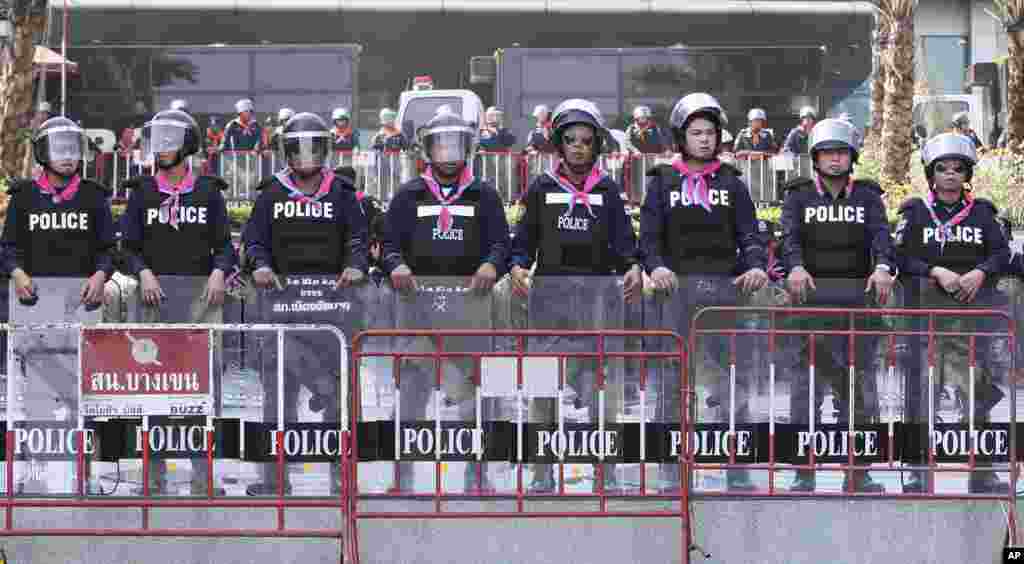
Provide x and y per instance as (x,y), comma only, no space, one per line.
(306,149)
(65,144)
(163,136)
(446,146)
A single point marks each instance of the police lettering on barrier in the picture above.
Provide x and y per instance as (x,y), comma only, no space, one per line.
(836,443)
(957,442)
(54,441)
(291,210)
(186,214)
(577,443)
(715,197)
(47,221)
(959,234)
(173,439)
(451,441)
(308,442)
(712,442)
(834,214)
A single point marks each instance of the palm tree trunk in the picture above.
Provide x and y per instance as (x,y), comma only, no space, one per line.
(899,101)
(1015,92)
(874,135)
(29,22)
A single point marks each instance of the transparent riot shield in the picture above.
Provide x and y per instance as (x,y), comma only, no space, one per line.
(309,397)
(42,391)
(724,369)
(835,364)
(426,394)
(570,397)
(958,405)
(185,301)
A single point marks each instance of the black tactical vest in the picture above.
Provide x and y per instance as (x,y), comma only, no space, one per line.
(186,251)
(835,244)
(307,245)
(959,256)
(59,240)
(699,242)
(574,243)
(454,253)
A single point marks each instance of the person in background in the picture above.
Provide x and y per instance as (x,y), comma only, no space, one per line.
(243,133)
(797,140)
(756,138)
(962,125)
(539,140)
(643,134)
(345,138)
(389,137)
(493,136)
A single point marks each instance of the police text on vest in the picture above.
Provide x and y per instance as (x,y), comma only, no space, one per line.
(715,197)
(298,210)
(46,221)
(834,214)
(959,234)
(186,214)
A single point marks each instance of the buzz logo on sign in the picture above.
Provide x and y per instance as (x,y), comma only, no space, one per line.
(144,351)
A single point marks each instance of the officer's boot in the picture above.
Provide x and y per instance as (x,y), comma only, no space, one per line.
(804,481)
(543,479)
(862,483)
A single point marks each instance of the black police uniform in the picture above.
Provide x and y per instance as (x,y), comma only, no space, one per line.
(977,242)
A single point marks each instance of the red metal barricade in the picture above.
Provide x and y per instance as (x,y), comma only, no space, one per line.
(855,318)
(357,512)
(79,499)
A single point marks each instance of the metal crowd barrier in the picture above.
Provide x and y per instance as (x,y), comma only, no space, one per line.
(931,381)
(27,438)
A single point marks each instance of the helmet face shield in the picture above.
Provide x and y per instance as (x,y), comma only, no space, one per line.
(306,150)
(446,146)
(64,145)
(163,136)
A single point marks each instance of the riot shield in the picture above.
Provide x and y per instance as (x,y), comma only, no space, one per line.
(184,302)
(724,372)
(570,394)
(426,392)
(309,397)
(958,386)
(42,391)
(836,370)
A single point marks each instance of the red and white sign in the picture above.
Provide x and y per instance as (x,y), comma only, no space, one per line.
(145,372)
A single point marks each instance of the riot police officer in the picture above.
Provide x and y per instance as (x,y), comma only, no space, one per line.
(797,140)
(952,249)
(698,222)
(306,220)
(835,235)
(575,223)
(59,224)
(176,224)
(345,138)
(445,222)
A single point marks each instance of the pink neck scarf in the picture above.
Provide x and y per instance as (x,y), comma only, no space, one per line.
(173,201)
(695,184)
(444,220)
(285,178)
(577,196)
(944,231)
(69,191)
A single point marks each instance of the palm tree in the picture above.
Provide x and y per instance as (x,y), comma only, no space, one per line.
(1011,12)
(897,141)
(881,43)
(28,18)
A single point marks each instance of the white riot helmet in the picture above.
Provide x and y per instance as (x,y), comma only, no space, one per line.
(179,104)
(540,110)
(285,114)
(694,105)
(641,112)
(60,142)
(949,146)
(756,113)
(387,116)
(448,138)
(726,137)
(808,112)
(833,134)
(494,114)
(962,120)
(340,114)
(578,111)
(244,105)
